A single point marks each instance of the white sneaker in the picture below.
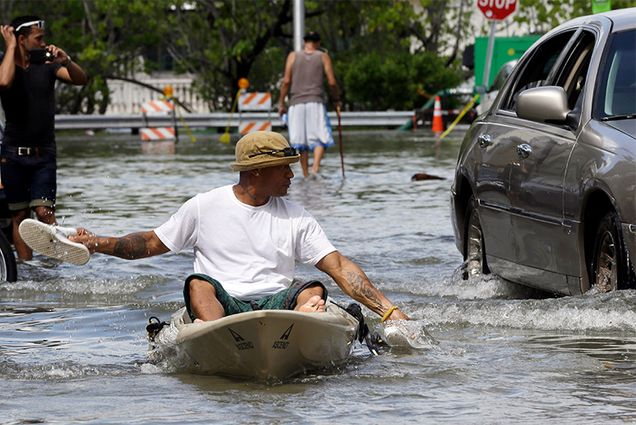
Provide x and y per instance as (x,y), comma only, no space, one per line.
(52,241)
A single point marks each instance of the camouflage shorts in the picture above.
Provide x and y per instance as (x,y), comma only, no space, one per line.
(282,300)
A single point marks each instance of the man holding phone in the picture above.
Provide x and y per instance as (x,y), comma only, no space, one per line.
(28,163)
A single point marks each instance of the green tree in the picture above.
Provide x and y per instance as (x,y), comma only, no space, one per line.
(220,42)
(540,16)
(114,35)
(379,82)
(387,52)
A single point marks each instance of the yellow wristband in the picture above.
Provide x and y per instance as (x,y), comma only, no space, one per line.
(388,313)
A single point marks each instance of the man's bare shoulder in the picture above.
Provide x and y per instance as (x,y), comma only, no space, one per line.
(290,61)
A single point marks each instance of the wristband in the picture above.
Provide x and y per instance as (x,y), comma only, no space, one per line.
(388,313)
(67,62)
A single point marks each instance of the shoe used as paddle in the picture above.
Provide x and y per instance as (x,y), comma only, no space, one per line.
(407,335)
(52,241)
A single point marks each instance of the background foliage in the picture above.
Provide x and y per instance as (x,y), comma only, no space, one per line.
(387,54)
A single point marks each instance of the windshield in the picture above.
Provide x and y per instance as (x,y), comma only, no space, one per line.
(616,97)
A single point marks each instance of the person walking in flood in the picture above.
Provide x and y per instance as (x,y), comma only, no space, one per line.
(308,122)
(28,73)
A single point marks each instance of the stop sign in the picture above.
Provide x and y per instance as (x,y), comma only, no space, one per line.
(497,9)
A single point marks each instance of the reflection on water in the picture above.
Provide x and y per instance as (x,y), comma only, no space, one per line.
(613,352)
(72,339)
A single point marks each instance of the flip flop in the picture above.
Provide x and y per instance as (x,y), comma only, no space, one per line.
(52,241)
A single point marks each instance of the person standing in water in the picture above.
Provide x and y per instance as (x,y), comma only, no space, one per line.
(308,122)
(28,73)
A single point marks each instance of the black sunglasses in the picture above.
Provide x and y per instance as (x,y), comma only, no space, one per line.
(286,152)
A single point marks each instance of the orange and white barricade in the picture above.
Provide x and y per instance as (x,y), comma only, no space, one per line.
(255,102)
(158,108)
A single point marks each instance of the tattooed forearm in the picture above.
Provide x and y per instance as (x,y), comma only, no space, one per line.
(355,283)
(132,246)
(361,289)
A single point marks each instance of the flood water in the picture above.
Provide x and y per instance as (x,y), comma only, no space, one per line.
(72,339)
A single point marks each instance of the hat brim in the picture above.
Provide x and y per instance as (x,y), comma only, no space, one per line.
(264,161)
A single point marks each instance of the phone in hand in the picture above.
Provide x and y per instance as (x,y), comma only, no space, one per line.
(40,56)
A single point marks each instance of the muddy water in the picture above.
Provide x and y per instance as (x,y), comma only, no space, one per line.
(72,339)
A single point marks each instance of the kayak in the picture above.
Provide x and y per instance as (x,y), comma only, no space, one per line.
(262,345)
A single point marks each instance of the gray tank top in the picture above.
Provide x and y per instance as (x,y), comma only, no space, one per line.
(307,78)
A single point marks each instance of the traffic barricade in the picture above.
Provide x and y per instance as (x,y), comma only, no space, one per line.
(158,108)
(255,101)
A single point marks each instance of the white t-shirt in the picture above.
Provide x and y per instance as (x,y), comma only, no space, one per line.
(250,250)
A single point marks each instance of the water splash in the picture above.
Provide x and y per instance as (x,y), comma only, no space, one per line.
(405,335)
(82,285)
(60,370)
(587,313)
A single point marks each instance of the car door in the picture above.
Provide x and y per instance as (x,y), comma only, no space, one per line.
(501,139)
(490,176)
(544,242)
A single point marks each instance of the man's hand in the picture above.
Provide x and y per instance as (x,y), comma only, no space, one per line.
(59,55)
(70,71)
(86,238)
(9,36)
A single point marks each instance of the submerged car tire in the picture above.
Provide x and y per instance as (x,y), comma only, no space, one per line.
(474,248)
(608,269)
(8,269)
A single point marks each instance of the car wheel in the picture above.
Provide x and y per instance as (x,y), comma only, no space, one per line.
(608,269)
(8,269)
(474,248)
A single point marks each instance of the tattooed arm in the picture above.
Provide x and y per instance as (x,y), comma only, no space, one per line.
(129,247)
(355,283)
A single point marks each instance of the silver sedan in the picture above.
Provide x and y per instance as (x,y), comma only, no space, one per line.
(545,184)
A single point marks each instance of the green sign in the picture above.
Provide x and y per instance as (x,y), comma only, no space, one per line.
(600,6)
(505,50)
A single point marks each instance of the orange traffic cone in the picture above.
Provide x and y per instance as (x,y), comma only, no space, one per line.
(438,124)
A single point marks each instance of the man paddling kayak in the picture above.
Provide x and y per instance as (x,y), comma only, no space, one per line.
(246,239)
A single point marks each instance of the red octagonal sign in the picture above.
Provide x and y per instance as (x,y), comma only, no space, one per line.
(497,9)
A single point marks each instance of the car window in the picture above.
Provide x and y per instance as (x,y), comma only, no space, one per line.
(616,95)
(572,75)
(502,75)
(539,67)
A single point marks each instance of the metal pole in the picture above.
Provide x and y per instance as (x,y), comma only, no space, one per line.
(299,24)
(485,81)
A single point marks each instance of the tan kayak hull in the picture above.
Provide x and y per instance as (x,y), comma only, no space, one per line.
(265,344)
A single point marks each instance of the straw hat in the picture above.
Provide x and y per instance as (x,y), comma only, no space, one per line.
(263,149)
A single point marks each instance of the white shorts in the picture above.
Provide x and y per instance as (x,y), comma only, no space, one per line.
(309,126)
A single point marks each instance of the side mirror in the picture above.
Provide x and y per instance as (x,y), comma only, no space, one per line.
(543,104)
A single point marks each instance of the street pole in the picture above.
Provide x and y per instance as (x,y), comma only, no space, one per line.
(299,24)
(485,81)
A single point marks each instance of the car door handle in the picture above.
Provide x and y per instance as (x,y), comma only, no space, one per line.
(524,150)
(484,140)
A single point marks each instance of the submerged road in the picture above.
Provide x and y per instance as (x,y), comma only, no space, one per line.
(72,339)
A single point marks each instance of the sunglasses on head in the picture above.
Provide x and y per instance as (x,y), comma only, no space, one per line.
(289,151)
(37,24)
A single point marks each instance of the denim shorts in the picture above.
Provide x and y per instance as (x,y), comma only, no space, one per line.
(282,300)
(29,180)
